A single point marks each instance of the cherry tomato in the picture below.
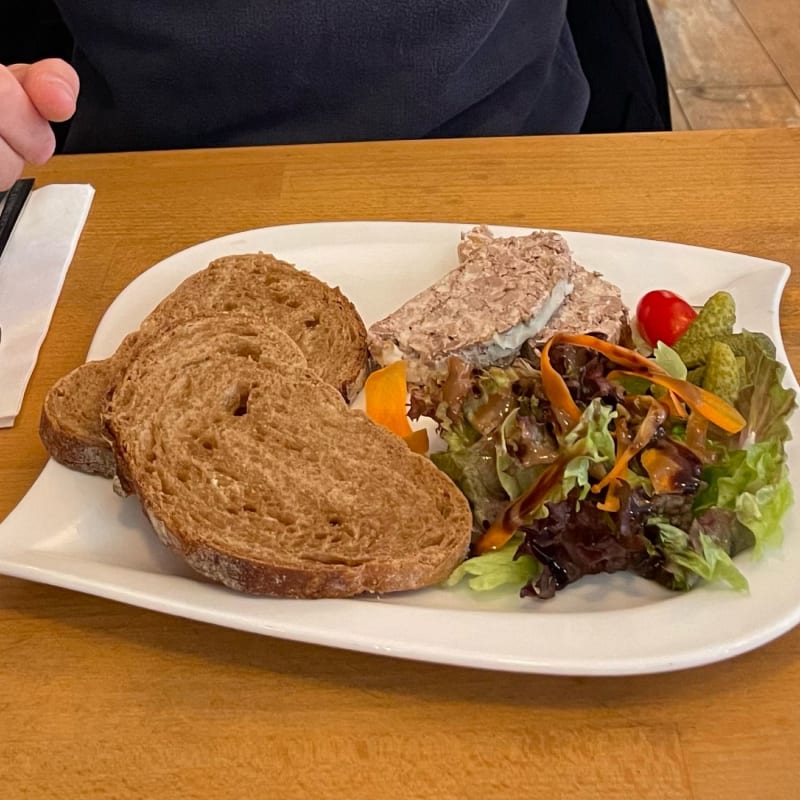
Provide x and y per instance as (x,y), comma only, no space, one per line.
(662,316)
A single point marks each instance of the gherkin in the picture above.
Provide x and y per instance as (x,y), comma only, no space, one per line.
(722,375)
(714,321)
(696,375)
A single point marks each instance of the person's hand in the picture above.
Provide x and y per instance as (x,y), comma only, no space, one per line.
(32,96)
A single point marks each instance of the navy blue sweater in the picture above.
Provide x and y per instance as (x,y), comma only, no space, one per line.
(192,73)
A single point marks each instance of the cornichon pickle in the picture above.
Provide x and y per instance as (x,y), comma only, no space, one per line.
(722,372)
(714,320)
(696,375)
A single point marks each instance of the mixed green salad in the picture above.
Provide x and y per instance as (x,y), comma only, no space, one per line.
(584,457)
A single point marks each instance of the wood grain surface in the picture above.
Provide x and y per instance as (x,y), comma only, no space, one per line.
(776,23)
(739,106)
(731,63)
(102,700)
(708,43)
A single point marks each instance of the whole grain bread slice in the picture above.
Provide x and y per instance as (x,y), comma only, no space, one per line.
(263,480)
(70,426)
(324,324)
(235,335)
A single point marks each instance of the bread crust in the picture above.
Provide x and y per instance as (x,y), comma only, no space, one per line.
(75,443)
(252,284)
(74,449)
(302,461)
(313,583)
(320,319)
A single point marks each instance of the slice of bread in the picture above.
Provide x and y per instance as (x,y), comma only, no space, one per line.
(258,474)
(70,426)
(231,335)
(319,318)
(324,324)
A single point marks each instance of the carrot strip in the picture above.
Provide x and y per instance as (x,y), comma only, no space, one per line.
(417,441)
(498,535)
(661,470)
(656,415)
(696,435)
(385,392)
(611,501)
(503,528)
(675,405)
(623,356)
(709,405)
(564,407)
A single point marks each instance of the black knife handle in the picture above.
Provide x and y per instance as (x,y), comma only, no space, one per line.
(15,200)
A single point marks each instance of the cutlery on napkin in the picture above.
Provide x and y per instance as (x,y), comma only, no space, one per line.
(32,271)
(11,204)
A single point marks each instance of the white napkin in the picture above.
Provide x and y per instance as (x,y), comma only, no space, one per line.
(32,271)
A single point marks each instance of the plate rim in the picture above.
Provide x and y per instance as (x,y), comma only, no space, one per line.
(390,646)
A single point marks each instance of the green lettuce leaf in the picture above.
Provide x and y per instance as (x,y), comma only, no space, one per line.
(513,477)
(591,439)
(763,510)
(686,564)
(496,569)
(459,435)
(594,442)
(764,402)
(473,469)
(754,483)
(668,359)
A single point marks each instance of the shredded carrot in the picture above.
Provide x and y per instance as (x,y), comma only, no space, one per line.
(498,534)
(623,356)
(385,392)
(564,407)
(622,441)
(712,407)
(709,405)
(418,441)
(656,415)
(675,405)
(622,436)
(611,501)
(696,435)
(661,470)
(503,528)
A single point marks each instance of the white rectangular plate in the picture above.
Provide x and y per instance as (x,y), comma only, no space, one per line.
(70,530)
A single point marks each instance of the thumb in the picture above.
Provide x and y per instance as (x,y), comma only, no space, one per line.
(52,86)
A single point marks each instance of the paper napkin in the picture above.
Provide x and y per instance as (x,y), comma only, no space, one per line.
(32,271)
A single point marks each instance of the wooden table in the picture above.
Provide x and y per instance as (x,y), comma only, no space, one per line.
(99,699)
